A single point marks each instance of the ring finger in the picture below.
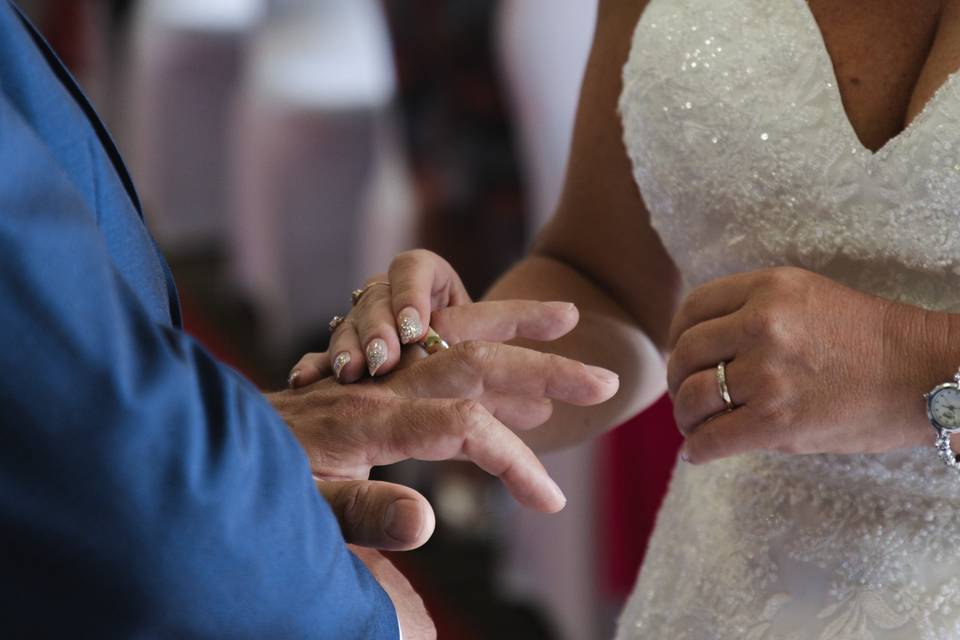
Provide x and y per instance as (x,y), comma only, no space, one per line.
(377,329)
(699,397)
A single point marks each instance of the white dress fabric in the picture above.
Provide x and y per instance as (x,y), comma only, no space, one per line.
(746,159)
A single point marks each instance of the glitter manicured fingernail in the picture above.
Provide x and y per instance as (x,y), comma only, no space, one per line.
(376,355)
(292,378)
(342,360)
(410,325)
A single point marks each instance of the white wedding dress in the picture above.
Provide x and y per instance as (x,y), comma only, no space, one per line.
(746,159)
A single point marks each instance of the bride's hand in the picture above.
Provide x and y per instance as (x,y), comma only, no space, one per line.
(811,367)
(385,317)
(424,289)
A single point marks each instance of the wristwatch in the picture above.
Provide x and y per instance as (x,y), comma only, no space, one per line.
(943,411)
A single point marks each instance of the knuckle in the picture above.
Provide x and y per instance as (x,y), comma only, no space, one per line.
(347,325)
(476,354)
(471,415)
(781,278)
(371,302)
(353,504)
(694,299)
(409,259)
(765,323)
(356,407)
(775,417)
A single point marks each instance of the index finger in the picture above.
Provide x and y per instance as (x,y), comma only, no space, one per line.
(468,369)
(719,297)
(444,429)
(505,320)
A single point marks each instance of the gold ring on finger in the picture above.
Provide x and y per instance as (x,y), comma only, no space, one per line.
(356,294)
(432,342)
(335,322)
(722,383)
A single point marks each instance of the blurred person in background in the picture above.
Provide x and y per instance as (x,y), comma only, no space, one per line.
(797,167)
(148,488)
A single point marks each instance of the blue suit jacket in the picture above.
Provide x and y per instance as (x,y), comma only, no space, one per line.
(146,490)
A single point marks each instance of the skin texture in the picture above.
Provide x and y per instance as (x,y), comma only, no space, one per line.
(414,619)
(468,401)
(600,252)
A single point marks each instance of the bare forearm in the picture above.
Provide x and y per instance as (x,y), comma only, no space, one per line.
(606,336)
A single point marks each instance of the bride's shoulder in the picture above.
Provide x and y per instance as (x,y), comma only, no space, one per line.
(616,22)
(626,13)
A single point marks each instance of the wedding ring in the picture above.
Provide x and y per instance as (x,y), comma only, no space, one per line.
(335,322)
(356,294)
(722,383)
(432,342)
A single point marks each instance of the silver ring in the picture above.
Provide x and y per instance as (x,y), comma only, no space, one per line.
(722,383)
(335,322)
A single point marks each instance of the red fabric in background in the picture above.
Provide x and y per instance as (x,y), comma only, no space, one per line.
(66,28)
(635,464)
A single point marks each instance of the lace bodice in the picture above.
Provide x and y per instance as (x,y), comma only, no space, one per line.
(746,159)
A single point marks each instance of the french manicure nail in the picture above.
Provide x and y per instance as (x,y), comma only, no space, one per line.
(292,378)
(376,355)
(342,360)
(605,375)
(410,326)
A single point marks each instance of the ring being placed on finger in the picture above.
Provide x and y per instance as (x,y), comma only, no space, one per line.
(356,294)
(432,342)
(722,383)
(335,322)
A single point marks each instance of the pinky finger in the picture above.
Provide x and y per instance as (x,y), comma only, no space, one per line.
(311,368)
(727,435)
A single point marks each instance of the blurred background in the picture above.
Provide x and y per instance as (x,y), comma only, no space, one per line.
(285,150)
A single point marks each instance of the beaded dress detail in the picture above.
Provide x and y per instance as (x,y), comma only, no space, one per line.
(746,159)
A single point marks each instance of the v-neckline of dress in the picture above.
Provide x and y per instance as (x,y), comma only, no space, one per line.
(827,62)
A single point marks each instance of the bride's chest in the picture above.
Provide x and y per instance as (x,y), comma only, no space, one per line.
(746,157)
(888,56)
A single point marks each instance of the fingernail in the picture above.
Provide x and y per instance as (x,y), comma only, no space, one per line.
(342,360)
(559,492)
(376,355)
(410,326)
(561,306)
(685,456)
(604,375)
(292,378)
(402,520)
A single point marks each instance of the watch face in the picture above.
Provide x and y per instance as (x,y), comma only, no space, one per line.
(945,407)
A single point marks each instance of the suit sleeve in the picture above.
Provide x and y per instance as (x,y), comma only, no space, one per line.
(146,490)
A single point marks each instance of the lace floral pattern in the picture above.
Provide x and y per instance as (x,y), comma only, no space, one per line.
(746,159)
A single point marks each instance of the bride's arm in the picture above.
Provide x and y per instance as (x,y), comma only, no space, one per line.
(598,251)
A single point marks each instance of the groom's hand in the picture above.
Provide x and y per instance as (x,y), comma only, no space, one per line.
(465,401)
(415,622)
(424,289)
